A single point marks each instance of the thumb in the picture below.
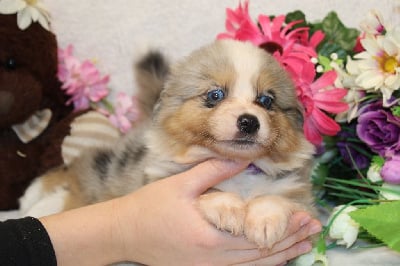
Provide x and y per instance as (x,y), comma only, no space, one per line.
(209,173)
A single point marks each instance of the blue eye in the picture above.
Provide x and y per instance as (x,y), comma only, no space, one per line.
(214,96)
(265,101)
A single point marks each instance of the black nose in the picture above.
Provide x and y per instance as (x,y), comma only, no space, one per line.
(248,124)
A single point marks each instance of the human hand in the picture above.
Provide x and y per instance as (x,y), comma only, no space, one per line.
(160,224)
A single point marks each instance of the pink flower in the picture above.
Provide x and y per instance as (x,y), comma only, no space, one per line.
(125,112)
(390,171)
(81,80)
(272,35)
(318,98)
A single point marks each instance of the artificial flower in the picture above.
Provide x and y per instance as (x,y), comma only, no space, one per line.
(346,79)
(373,24)
(374,170)
(319,96)
(125,111)
(88,88)
(343,228)
(27,11)
(379,64)
(310,259)
(271,34)
(81,80)
(281,40)
(349,149)
(379,129)
(390,171)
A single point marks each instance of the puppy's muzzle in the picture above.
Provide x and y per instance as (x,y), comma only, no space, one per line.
(248,124)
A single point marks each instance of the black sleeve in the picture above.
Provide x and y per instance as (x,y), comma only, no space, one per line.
(25,242)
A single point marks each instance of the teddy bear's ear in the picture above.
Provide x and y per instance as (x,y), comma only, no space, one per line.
(33,126)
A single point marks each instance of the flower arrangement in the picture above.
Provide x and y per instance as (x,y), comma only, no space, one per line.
(88,88)
(348,82)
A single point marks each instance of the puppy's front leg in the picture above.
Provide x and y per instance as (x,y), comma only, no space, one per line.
(223,209)
(267,218)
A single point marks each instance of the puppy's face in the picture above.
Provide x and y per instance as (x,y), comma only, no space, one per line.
(233,99)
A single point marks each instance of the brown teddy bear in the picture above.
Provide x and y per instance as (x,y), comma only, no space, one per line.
(34,118)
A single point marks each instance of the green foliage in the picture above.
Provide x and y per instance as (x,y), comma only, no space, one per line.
(381,221)
(297,16)
(396,110)
(338,39)
(337,34)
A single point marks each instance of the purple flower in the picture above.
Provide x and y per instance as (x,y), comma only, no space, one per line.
(390,171)
(349,153)
(349,149)
(379,129)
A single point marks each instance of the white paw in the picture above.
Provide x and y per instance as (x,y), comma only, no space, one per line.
(52,202)
(267,219)
(225,210)
(33,193)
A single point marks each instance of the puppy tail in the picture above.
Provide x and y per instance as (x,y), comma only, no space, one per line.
(151,72)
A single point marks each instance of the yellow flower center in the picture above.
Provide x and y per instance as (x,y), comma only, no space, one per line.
(390,64)
(31,2)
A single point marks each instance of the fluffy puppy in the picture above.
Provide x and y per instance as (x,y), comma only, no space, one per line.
(226,100)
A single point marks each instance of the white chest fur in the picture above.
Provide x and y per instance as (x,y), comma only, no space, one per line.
(250,185)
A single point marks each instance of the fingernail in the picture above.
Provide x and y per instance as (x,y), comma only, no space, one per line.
(315,228)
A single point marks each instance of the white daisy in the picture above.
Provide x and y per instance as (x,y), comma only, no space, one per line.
(27,11)
(346,79)
(373,23)
(379,64)
(343,228)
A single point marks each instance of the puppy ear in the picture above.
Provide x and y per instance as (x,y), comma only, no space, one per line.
(151,72)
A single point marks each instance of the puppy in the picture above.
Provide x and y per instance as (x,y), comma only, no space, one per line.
(227,100)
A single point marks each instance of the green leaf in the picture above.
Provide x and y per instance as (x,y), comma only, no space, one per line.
(296,16)
(396,111)
(337,33)
(382,221)
(377,160)
(321,245)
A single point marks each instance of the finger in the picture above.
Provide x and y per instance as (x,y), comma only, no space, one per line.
(297,221)
(231,242)
(303,233)
(209,173)
(282,256)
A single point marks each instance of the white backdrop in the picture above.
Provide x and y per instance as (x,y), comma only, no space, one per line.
(115,31)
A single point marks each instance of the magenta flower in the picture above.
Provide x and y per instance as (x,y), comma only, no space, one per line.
(318,98)
(81,80)
(271,35)
(124,113)
(293,48)
(390,171)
